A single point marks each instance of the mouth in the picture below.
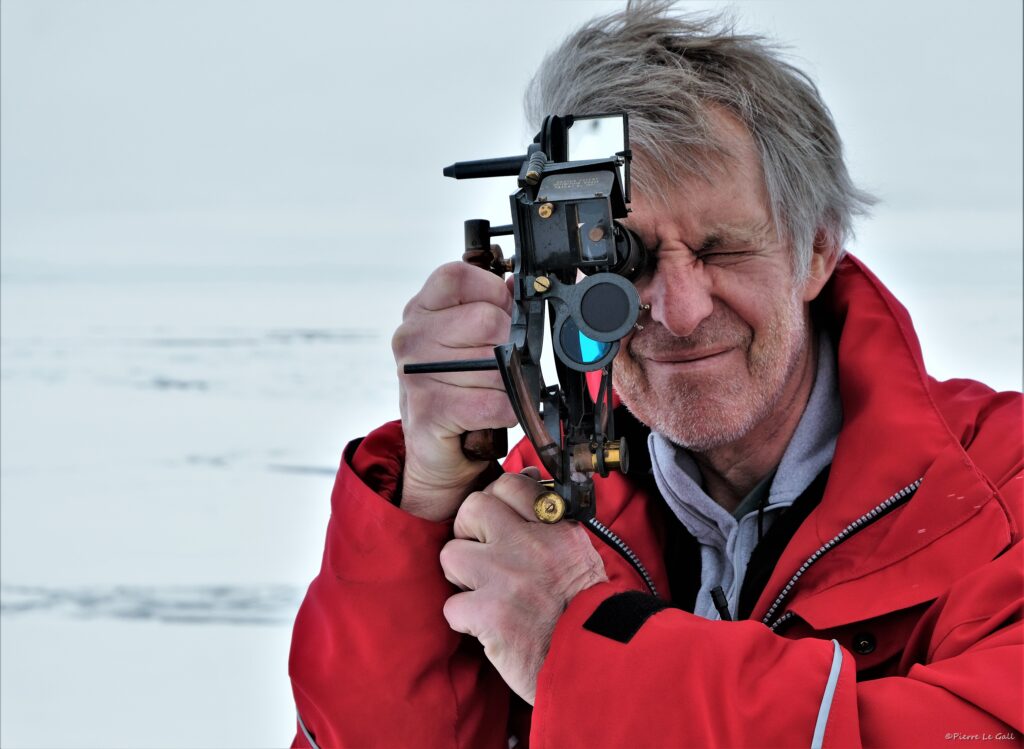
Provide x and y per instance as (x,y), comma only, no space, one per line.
(689,357)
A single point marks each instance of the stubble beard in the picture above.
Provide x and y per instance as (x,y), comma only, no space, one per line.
(702,412)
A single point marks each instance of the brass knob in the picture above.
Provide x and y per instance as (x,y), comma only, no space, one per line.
(546,210)
(616,457)
(549,507)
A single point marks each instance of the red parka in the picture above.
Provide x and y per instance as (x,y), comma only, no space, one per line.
(887,621)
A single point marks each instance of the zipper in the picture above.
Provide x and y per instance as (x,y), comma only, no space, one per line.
(781,620)
(609,536)
(859,524)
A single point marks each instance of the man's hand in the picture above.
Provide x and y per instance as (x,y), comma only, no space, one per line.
(519,575)
(462,312)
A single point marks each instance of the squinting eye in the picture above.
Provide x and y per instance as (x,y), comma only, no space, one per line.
(720,257)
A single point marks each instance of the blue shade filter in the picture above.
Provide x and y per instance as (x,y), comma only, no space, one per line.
(579,347)
(592,350)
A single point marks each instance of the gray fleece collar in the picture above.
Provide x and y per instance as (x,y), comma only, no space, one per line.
(727,542)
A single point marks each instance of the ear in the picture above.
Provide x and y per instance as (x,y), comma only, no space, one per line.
(824,256)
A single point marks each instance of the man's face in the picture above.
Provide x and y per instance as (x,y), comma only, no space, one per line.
(722,348)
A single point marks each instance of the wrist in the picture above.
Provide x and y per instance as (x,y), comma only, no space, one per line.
(439,503)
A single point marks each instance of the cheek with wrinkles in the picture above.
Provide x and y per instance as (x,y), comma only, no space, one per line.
(705,410)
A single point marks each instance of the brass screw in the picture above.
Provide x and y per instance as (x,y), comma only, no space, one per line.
(541,284)
(546,210)
(549,507)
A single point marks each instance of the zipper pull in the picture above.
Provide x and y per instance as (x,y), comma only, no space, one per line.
(721,603)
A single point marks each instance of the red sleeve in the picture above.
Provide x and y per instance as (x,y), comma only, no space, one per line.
(373,661)
(648,676)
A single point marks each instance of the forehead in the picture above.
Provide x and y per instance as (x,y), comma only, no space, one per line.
(730,194)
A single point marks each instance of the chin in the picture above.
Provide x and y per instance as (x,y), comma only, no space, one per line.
(702,410)
(696,418)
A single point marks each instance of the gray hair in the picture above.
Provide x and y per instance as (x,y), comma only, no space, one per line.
(668,72)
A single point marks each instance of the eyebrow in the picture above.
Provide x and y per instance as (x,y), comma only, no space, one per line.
(726,234)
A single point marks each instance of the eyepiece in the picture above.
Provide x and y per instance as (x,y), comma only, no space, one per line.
(633,256)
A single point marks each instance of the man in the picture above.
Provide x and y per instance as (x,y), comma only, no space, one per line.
(857,521)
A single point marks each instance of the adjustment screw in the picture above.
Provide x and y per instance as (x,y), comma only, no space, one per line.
(549,507)
(546,210)
(541,284)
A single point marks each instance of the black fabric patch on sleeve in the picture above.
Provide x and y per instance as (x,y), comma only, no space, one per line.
(621,616)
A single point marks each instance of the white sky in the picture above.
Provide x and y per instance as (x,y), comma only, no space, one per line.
(247,135)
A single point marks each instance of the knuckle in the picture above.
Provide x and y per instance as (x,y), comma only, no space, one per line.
(448,277)
(450,611)
(444,282)
(446,556)
(475,503)
(516,486)
(400,339)
(495,323)
(505,482)
(441,274)
(411,336)
(531,472)
(469,511)
(411,305)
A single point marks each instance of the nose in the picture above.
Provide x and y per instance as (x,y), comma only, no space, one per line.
(680,297)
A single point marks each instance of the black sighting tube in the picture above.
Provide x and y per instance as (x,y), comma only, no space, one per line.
(506,166)
(455,365)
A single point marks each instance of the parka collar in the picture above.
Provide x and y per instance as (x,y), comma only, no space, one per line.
(892,434)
